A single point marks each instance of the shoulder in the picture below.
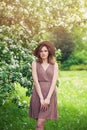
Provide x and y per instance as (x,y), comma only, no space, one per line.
(56,65)
(34,63)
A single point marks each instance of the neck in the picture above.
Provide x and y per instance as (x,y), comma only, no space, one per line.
(45,61)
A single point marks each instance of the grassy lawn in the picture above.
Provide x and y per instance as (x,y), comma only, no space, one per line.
(72,106)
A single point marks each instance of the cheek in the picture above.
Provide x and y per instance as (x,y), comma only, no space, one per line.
(40,54)
(47,53)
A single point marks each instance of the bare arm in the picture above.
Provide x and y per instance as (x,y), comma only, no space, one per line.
(53,85)
(35,79)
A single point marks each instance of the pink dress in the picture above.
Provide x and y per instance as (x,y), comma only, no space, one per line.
(45,80)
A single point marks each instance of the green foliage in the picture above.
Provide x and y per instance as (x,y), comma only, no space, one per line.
(58,54)
(15,61)
(78,67)
(75,61)
(14,118)
(19,96)
(79,55)
(63,41)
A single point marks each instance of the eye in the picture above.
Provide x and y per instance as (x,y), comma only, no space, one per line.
(46,50)
(41,51)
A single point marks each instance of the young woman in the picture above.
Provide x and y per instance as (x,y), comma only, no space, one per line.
(43,104)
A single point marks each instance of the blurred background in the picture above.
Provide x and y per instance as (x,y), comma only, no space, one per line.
(23,24)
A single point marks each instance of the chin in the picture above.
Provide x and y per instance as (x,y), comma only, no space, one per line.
(44,57)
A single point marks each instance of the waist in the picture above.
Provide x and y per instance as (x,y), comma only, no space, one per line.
(44,81)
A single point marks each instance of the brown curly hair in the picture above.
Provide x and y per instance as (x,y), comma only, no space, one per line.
(51,50)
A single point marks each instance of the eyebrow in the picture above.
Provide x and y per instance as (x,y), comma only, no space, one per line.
(44,50)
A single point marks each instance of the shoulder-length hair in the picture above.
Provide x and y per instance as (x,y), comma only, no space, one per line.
(51,51)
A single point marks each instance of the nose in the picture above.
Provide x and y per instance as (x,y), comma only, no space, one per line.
(43,52)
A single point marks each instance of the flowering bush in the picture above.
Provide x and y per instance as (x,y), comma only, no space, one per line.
(15,61)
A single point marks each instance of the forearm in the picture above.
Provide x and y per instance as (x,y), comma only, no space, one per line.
(35,79)
(53,84)
(53,87)
(38,89)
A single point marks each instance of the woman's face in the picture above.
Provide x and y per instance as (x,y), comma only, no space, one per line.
(44,53)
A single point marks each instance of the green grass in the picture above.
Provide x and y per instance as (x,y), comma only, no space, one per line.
(73,100)
(72,106)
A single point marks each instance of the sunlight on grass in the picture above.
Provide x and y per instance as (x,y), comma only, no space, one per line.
(72,100)
(72,106)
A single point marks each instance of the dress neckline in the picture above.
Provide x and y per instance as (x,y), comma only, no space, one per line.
(46,67)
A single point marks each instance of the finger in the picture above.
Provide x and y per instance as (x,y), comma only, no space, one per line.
(42,107)
(45,107)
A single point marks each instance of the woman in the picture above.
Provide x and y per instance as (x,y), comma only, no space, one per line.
(43,104)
